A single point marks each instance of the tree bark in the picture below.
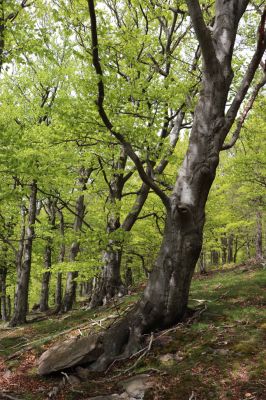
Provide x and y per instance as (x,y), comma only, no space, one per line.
(20,251)
(259,251)
(71,284)
(236,249)
(202,263)
(214,257)
(50,208)
(224,248)
(248,247)
(230,244)
(61,258)
(22,290)
(4,310)
(44,298)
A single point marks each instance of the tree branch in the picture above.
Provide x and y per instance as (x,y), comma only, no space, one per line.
(100,103)
(203,35)
(66,206)
(247,79)
(244,114)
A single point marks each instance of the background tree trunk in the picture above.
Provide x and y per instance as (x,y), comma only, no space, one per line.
(202,263)
(71,284)
(259,252)
(224,248)
(22,290)
(4,310)
(50,208)
(230,244)
(61,258)
(44,298)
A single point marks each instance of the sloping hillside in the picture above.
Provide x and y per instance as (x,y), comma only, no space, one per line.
(217,353)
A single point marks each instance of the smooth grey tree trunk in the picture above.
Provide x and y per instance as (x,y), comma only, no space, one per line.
(23,279)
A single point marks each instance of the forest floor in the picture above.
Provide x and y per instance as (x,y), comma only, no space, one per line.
(218,354)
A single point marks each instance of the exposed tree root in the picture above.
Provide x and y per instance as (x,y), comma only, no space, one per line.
(125,339)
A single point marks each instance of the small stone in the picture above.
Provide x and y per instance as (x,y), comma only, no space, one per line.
(137,385)
(222,352)
(166,358)
(7,374)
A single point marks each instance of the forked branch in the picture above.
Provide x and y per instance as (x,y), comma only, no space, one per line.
(203,35)
(244,114)
(103,115)
(248,77)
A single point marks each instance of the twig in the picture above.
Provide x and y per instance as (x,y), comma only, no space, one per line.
(8,396)
(192,397)
(142,355)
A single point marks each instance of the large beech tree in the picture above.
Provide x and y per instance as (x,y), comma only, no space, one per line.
(164,301)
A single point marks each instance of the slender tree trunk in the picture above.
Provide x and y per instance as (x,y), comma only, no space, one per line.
(128,277)
(259,252)
(214,257)
(58,291)
(4,311)
(230,244)
(22,291)
(224,248)
(44,298)
(19,255)
(8,301)
(50,208)
(236,249)
(61,258)
(71,284)
(202,263)
(248,247)
(109,283)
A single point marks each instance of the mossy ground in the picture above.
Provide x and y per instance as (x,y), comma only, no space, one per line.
(221,354)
